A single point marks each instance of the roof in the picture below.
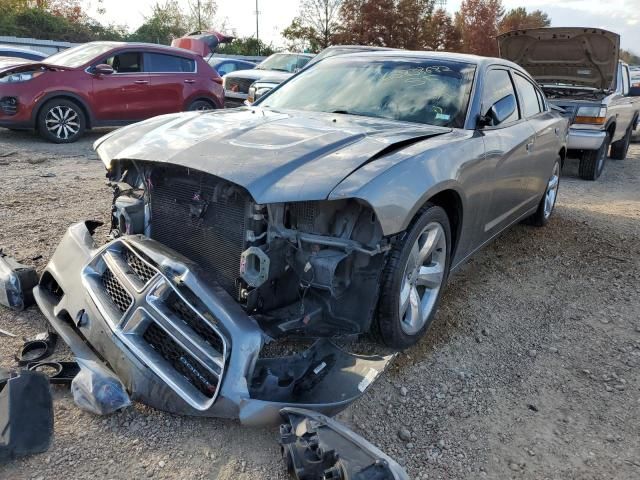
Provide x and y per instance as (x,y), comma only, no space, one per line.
(155,46)
(454,57)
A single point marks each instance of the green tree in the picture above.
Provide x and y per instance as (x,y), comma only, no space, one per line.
(519,18)
(166,22)
(201,14)
(478,21)
(246,46)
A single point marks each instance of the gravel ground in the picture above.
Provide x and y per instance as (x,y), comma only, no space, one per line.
(531,369)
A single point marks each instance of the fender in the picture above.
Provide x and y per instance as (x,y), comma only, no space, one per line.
(62,93)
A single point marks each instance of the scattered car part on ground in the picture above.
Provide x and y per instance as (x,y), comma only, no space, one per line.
(26,414)
(579,71)
(7,333)
(37,348)
(315,447)
(16,283)
(58,372)
(95,388)
(308,215)
(261,87)
(104,84)
(276,68)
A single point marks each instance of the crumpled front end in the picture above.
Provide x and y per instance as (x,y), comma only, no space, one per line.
(179,341)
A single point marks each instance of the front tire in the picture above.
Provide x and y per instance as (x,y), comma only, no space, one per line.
(620,148)
(548,201)
(413,280)
(592,161)
(61,121)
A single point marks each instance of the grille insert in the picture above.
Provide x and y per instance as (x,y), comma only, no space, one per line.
(143,271)
(198,376)
(193,320)
(116,292)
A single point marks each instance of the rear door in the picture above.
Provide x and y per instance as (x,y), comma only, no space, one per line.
(172,79)
(123,95)
(508,154)
(545,148)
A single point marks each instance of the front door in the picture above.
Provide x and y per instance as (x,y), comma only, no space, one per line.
(124,95)
(508,148)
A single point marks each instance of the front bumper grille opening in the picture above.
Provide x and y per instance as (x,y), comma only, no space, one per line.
(184,363)
(116,292)
(193,321)
(143,271)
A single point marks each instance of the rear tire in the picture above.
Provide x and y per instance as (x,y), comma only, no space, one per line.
(61,121)
(593,161)
(548,201)
(414,278)
(620,148)
(200,105)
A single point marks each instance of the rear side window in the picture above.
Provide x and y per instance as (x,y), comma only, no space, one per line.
(163,63)
(529,96)
(126,62)
(497,86)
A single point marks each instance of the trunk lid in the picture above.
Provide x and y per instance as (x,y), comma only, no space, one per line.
(572,56)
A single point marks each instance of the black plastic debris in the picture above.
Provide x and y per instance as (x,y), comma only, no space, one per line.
(316,447)
(37,348)
(58,372)
(26,414)
(16,283)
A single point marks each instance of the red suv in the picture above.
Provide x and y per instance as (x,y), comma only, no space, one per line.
(105,84)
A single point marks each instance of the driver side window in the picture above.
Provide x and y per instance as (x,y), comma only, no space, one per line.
(126,62)
(498,85)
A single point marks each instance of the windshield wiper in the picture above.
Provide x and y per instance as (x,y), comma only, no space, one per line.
(343,112)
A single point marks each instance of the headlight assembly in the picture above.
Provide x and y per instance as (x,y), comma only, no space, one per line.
(20,77)
(595,115)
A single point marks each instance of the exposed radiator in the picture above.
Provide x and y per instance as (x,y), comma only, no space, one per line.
(204,219)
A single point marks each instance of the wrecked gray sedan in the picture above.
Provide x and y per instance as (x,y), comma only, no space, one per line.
(338,204)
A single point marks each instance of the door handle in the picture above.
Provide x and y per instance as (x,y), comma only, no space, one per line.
(189,81)
(141,82)
(529,145)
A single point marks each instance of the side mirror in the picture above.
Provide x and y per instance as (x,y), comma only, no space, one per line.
(103,69)
(499,111)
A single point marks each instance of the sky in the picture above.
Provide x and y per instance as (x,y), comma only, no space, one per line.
(620,16)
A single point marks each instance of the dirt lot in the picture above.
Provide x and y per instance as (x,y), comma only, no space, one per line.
(531,370)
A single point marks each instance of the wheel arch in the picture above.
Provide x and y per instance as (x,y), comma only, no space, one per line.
(211,99)
(67,96)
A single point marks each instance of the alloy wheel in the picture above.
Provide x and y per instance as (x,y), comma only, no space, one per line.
(62,121)
(423,278)
(552,191)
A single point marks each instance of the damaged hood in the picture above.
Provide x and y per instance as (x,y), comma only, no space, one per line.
(277,156)
(585,57)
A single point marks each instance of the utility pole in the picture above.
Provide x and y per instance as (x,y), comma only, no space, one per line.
(199,18)
(257,30)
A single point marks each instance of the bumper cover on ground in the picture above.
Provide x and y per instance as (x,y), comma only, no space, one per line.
(178,341)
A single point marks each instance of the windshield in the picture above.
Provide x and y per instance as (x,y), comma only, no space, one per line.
(283,62)
(80,55)
(430,91)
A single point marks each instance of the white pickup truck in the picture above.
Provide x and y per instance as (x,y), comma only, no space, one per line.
(579,70)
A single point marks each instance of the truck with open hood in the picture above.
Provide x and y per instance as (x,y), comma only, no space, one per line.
(580,71)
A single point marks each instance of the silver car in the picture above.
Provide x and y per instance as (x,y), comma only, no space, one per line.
(338,204)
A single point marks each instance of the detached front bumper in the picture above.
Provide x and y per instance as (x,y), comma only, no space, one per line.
(581,139)
(179,342)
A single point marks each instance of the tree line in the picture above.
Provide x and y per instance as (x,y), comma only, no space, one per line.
(409,24)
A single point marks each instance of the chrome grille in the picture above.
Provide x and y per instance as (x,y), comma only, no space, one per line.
(167,327)
(240,85)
